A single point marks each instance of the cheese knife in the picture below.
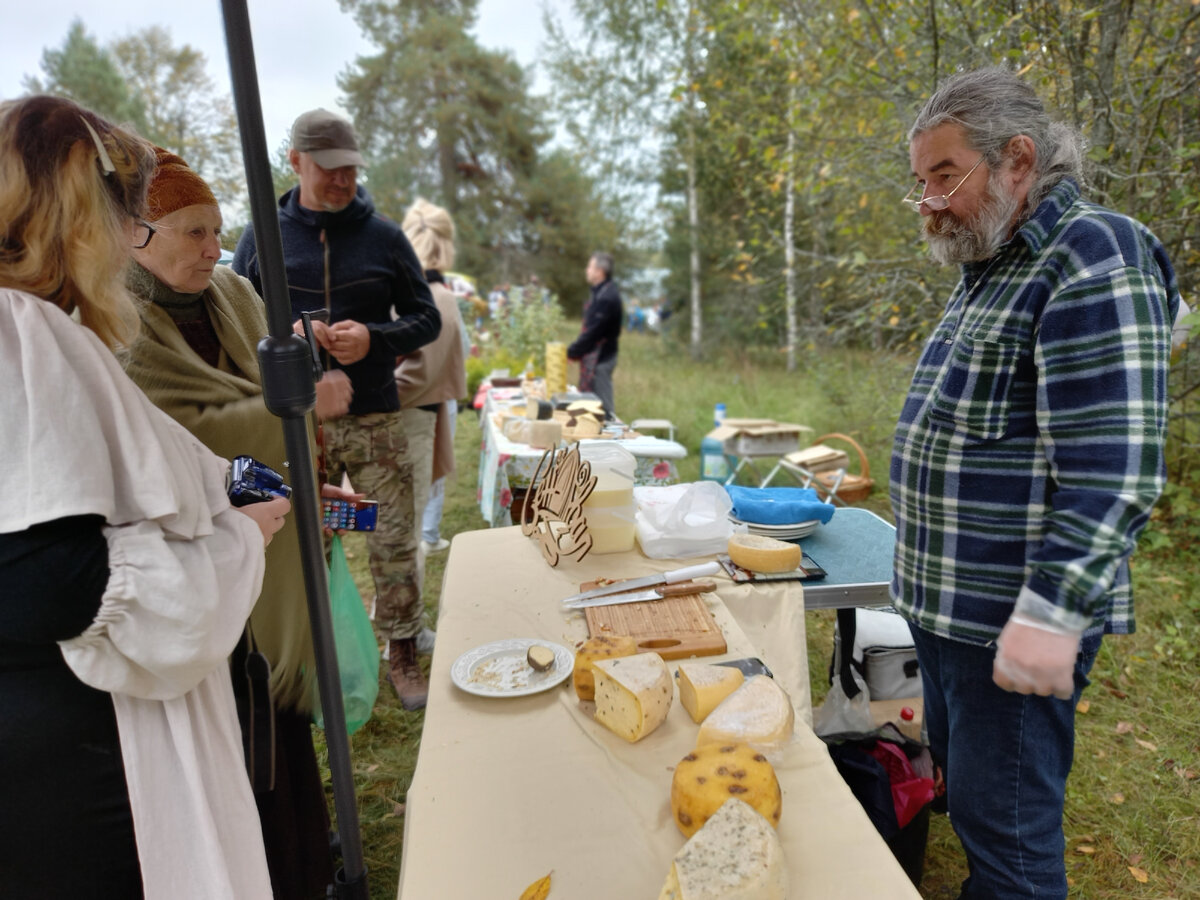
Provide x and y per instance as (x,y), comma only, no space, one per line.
(619,587)
(654,593)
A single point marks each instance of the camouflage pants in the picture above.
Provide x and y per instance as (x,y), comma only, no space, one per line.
(373,451)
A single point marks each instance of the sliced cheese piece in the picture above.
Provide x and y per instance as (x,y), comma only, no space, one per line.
(710,775)
(763,554)
(544,434)
(736,856)
(602,646)
(759,713)
(702,686)
(633,694)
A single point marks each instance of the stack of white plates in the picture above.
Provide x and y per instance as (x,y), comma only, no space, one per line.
(789,532)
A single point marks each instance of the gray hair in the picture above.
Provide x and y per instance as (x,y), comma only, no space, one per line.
(604,262)
(993,106)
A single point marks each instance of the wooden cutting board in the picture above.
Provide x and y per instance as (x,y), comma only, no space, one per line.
(673,627)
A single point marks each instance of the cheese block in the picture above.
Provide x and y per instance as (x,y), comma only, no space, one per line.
(758,713)
(602,646)
(633,694)
(710,775)
(702,686)
(763,554)
(736,856)
(543,434)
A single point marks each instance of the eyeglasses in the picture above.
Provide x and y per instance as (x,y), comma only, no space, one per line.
(936,202)
(142,232)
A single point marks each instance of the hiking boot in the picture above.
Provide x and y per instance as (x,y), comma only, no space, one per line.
(406,676)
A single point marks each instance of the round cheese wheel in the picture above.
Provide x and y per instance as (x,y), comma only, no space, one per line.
(710,775)
(763,554)
(602,646)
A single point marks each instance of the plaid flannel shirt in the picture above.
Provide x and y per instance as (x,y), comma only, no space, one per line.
(1029,451)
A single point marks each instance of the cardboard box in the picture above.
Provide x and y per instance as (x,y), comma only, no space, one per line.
(759,437)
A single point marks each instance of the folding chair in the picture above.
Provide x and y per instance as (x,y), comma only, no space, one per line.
(826,469)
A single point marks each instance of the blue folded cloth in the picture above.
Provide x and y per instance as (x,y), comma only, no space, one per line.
(777,506)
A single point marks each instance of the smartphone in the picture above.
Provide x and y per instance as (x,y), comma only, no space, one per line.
(811,570)
(349,515)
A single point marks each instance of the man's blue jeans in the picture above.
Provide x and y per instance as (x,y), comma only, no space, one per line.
(1005,758)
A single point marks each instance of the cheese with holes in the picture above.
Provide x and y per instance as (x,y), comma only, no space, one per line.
(763,554)
(602,646)
(736,856)
(702,686)
(710,775)
(633,694)
(758,713)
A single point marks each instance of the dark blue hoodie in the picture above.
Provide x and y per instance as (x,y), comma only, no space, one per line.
(359,266)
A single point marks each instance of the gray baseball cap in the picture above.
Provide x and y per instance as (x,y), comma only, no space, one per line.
(328,138)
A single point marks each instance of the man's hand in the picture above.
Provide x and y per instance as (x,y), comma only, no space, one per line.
(1034,657)
(349,341)
(320,332)
(334,393)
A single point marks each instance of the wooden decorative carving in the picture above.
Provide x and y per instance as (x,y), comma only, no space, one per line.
(554,511)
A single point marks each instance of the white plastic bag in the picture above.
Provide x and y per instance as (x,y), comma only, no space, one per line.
(682,520)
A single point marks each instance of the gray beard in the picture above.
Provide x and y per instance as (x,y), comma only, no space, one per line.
(953,241)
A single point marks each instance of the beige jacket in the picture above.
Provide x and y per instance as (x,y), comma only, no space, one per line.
(437,373)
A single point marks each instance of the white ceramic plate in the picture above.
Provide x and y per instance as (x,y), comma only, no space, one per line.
(499,669)
(791,531)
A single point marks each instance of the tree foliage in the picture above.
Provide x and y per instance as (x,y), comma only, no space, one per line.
(164,92)
(444,118)
(843,80)
(83,71)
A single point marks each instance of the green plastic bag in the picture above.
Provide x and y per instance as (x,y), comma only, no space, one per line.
(354,639)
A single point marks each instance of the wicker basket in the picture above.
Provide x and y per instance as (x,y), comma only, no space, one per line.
(853,487)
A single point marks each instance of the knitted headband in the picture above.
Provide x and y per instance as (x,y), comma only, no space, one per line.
(175,186)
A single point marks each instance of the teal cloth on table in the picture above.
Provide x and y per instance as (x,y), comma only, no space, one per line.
(777,506)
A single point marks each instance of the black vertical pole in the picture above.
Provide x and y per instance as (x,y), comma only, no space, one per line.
(289,392)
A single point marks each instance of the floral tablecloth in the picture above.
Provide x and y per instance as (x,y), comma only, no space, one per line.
(505,466)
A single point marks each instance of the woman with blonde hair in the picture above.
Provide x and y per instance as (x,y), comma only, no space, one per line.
(432,380)
(127,575)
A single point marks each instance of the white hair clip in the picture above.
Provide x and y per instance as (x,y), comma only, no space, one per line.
(106,163)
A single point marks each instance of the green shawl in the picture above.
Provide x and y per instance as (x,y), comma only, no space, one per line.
(223,407)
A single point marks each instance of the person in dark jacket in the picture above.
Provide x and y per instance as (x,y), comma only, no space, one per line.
(596,347)
(343,257)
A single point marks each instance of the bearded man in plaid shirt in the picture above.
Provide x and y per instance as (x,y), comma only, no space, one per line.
(1028,455)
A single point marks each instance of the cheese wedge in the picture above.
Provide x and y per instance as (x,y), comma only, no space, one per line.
(702,686)
(763,554)
(758,713)
(710,775)
(633,694)
(736,856)
(602,646)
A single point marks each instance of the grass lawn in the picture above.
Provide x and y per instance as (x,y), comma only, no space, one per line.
(1133,801)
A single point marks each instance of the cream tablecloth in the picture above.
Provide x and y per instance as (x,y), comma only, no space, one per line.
(509,789)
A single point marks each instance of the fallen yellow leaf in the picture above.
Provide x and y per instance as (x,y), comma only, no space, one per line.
(1082,706)
(1141,876)
(1085,849)
(539,890)
(1117,798)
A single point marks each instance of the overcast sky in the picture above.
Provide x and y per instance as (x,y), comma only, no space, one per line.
(300,46)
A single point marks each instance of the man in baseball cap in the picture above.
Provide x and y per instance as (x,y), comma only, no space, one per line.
(343,257)
(325,155)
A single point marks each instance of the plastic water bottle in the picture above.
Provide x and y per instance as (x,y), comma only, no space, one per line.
(714,466)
